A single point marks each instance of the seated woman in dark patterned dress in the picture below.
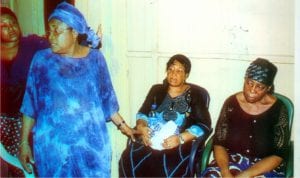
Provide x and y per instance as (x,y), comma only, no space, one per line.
(252,134)
(178,115)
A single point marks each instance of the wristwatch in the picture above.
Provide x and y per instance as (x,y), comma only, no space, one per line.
(181,140)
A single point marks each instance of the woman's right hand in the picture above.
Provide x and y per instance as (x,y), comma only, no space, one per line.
(145,132)
(25,157)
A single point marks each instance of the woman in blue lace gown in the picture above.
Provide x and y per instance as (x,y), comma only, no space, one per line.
(69,98)
(181,115)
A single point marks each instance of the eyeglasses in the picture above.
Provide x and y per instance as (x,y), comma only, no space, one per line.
(57,31)
(255,85)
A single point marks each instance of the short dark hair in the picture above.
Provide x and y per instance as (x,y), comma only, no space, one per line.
(185,61)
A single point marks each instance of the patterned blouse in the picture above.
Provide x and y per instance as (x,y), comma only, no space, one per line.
(189,110)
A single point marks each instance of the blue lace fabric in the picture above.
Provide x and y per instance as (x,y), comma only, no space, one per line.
(176,109)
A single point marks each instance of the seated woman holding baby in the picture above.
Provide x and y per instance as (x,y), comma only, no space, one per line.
(178,115)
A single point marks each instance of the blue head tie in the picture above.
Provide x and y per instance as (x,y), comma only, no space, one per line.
(71,16)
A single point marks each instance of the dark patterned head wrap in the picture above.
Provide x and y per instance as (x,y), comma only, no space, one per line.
(261,70)
(71,16)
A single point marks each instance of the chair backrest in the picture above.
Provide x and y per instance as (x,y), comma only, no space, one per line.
(290,156)
(198,144)
(204,94)
(206,98)
(290,107)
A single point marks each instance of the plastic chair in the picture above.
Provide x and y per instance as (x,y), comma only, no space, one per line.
(196,152)
(199,144)
(290,156)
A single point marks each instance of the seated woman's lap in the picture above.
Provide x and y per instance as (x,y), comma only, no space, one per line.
(138,160)
(237,164)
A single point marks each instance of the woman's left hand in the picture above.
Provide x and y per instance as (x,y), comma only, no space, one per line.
(171,142)
(125,129)
(121,124)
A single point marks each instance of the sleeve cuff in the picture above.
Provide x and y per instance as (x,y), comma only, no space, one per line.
(141,116)
(195,130)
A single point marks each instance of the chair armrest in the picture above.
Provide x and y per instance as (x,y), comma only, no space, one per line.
(206,154)
(290,161)
(209,149)
(197,149)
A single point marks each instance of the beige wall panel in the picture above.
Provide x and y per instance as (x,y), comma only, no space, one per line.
(140,27)
(226,27)
(142,75)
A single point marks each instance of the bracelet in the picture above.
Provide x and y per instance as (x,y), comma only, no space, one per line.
(181,139)
(23,142)
(120,124)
